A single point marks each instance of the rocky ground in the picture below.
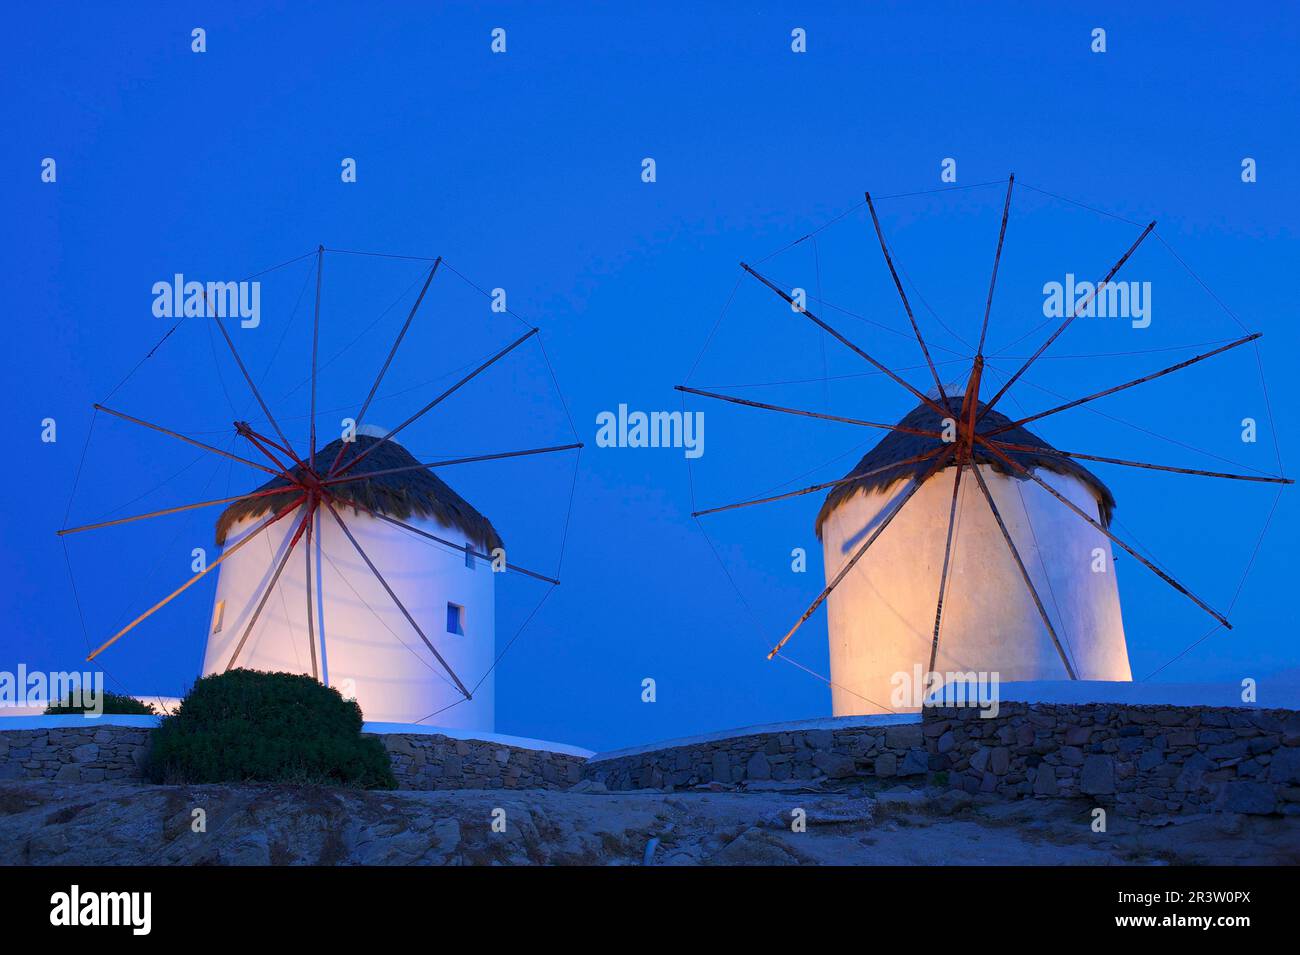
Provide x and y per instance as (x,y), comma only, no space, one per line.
(108,824)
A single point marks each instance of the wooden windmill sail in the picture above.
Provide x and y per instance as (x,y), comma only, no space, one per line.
(883,551)
(363,506)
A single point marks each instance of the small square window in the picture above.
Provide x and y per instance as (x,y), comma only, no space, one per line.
(455,619)
(218,615)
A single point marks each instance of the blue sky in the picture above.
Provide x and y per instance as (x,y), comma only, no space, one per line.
(524,171)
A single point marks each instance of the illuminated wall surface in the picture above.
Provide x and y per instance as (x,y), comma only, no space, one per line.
(882,614)
(365,647)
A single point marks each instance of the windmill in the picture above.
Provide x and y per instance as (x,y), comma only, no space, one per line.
(380,553)
(891,530)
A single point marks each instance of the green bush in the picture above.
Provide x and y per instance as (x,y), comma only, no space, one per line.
(246,725)
(113,703)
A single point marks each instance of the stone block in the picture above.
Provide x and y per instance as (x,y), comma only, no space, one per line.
(905,736)
(1247,797)
(1285,766)
(1045,781)
(1098,776)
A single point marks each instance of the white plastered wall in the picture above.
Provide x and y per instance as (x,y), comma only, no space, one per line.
(364,645)
(881,616)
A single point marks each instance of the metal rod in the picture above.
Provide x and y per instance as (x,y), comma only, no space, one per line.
(907,306)
(1066,324)
(179,436)
(934,405)
(1024,572)
(1140,464)
(195,579)
(819,487)
(997,257)
(811,414)
(266,594)
(947,560)
(1127,384)
(450,461)
(400,606)
(907,496)
(483,367)
(1074,507)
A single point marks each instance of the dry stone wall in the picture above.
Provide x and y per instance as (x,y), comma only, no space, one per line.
(423,761)
(1148,761)
(105,752)
(80,754)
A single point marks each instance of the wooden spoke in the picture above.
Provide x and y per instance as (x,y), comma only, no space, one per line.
(1128,384)
(400,606)
(1016,466)
(450,461)
(820,487)
(380,515)
(311,594)
(947,560)
(365,405)
(1066,324)
(253,387)
(997,257)
(315,347)
(907,306)
(1140,464)
(925,399)
(811,414)
(270,586)
(821,598)
(436,401)
(283,512)
(257,441)
(452,544)
(172,510)
(1024,572)
(187,440)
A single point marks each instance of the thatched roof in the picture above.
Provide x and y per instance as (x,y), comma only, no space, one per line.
(899,446)
(417,492)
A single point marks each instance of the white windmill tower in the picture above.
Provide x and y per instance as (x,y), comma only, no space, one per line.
(390,597)
(401,586)
(963,542)
(1045,608)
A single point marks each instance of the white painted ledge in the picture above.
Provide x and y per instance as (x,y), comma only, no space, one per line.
(1270,694)
(17,722)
